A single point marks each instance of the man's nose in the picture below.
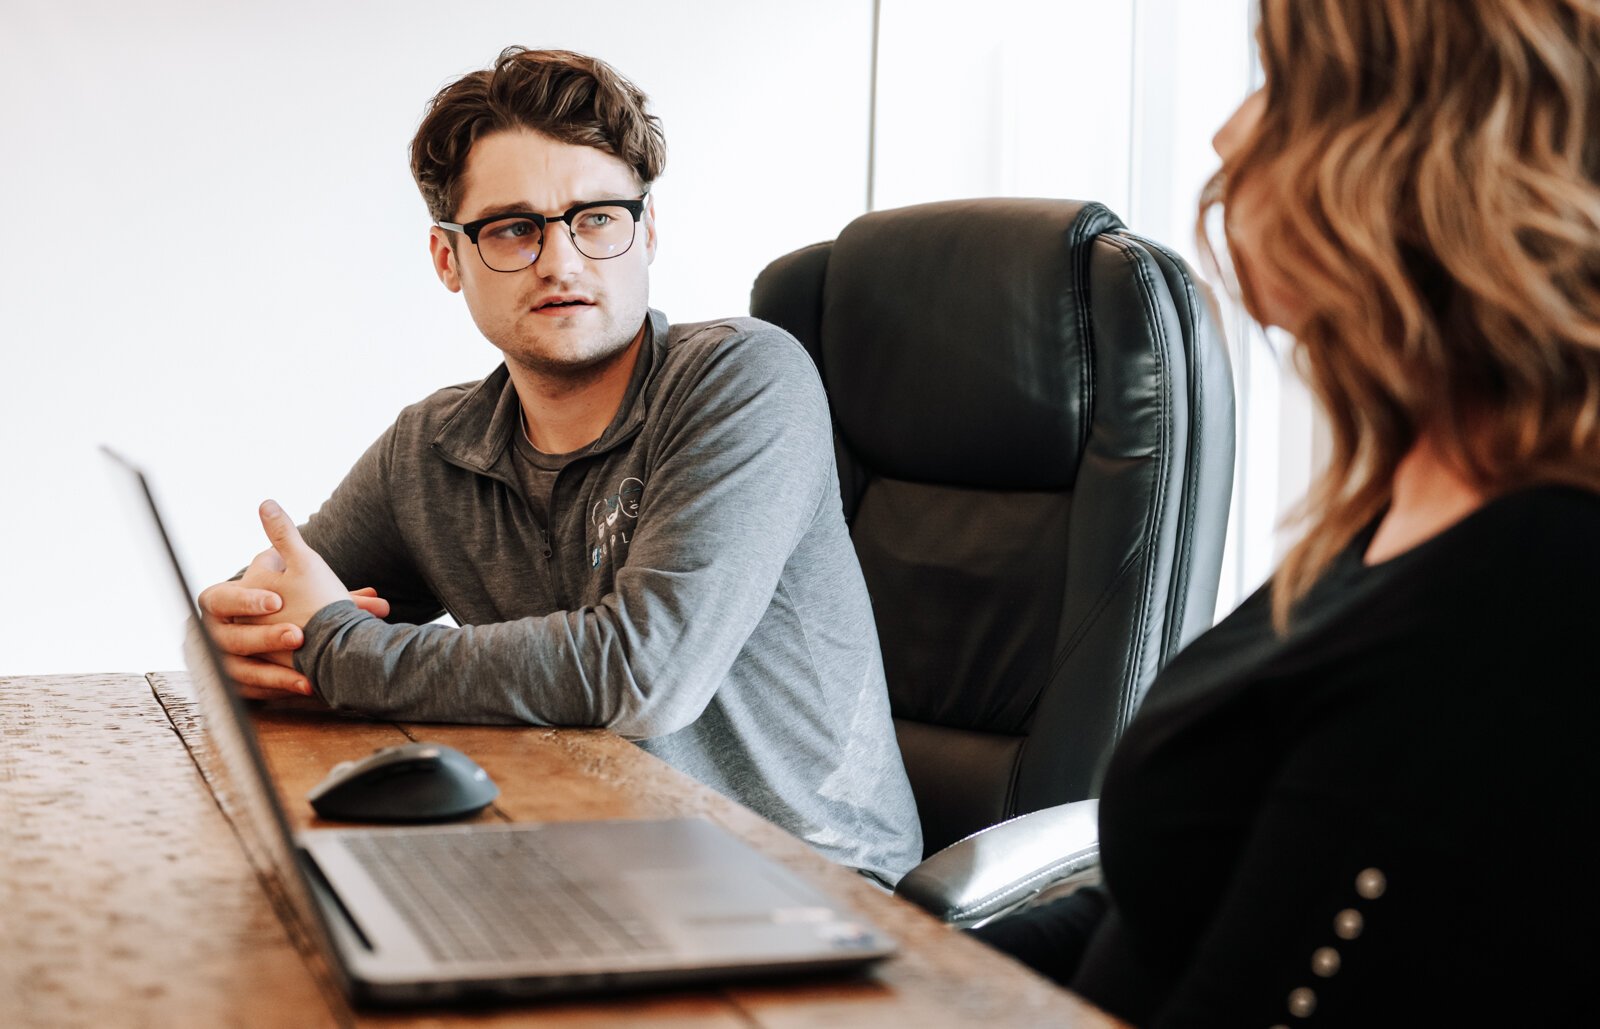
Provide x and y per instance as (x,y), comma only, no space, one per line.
(558,254)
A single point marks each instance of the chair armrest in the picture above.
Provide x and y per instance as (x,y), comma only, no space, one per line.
(1008,865)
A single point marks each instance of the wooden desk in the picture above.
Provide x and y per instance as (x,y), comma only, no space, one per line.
(126,899)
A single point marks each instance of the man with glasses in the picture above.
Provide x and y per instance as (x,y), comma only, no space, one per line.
(633,524)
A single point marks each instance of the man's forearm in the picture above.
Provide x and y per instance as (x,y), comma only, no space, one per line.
(573,668)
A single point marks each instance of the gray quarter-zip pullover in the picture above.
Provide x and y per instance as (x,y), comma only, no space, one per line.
(694,588)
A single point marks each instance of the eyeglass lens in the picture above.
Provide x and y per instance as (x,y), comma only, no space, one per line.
(512,244)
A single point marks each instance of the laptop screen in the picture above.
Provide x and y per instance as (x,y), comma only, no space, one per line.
(238,774)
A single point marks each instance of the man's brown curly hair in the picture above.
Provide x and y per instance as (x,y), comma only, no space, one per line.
(564,95)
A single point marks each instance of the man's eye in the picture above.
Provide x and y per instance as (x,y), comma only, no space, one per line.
(520,228)
(594,220)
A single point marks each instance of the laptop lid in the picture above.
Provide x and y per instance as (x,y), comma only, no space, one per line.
(719,909)
(241,781)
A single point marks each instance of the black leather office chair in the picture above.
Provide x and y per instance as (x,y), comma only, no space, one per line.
(1034,425)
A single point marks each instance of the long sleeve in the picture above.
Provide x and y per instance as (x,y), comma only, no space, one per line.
(1374,818)
(739,467)
(1363,874)
(356,533)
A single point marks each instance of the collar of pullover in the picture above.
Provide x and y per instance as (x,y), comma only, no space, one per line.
(476,434)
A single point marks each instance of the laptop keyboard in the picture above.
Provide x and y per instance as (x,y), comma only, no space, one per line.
(496,896)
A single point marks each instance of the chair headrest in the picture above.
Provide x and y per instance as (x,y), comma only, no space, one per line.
(972,315)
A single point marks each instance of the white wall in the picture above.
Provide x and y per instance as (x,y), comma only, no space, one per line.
(216,259)
(1031,99)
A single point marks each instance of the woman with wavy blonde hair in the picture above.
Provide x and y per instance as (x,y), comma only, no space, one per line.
(1360,799)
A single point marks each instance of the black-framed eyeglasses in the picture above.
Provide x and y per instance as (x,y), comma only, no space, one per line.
(600,229)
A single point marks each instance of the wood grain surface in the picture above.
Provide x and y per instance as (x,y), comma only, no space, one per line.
(128,900)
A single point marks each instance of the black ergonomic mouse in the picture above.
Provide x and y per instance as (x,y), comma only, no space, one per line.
(414,782)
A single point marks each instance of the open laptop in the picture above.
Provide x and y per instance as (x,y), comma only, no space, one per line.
(409,915)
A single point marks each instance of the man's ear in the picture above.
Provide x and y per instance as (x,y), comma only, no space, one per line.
(444,259)
(650,229)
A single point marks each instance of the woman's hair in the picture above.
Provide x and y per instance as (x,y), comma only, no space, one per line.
(1426,175)
(567,96)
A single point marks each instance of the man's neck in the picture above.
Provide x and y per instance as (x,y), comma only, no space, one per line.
(563,413)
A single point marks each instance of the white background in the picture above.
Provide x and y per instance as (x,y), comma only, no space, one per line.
(215,258)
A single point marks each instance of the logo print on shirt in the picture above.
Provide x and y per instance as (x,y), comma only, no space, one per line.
(608,516)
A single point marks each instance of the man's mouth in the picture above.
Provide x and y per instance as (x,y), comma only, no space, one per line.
(557,305)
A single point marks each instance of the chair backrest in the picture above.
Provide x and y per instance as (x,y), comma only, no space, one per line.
(1034,421)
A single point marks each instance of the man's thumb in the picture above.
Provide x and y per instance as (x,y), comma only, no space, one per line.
(280,530)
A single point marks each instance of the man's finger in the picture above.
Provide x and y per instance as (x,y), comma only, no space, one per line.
(253,674)
(247,640)
(281,530)
(367,599)
(266,693)
(232,600)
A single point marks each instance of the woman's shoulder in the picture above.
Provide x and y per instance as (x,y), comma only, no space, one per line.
(1506,595)
(1531,537)
(1549,505)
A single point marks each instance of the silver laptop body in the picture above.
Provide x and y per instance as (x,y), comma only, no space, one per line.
(435,913)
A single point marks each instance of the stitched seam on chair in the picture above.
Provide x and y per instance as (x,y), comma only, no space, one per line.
(1177,598)
(1095,612)
(1188,513)
(1070,645)
(1067,651)
(1153,516)
(1076,857)
(1189,509)
(1008,804)
(1085,229)
(1081,235)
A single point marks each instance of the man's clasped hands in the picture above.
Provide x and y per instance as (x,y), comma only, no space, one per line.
(258,620)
